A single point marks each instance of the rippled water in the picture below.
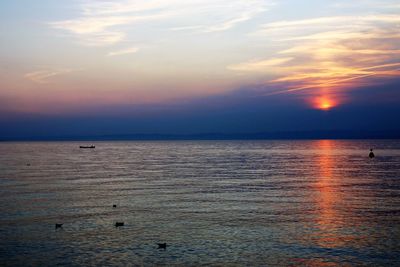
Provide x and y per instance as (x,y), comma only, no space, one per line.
(258,203)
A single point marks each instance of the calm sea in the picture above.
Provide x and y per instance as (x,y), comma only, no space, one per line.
(218,203)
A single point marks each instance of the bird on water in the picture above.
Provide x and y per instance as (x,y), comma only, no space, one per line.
(162,245)
(118,224)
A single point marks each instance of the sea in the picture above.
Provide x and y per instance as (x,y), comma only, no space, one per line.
(213,203)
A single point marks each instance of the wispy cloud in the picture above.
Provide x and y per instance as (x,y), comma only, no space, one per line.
(376,4)
(259,65)
(44,76)
(187,28)
(101,31)
(243,16)
(330,53)
(103,23)
(131,50)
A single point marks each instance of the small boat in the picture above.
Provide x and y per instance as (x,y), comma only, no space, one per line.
(87,146)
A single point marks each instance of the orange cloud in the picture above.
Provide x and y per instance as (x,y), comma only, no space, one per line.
(329,55)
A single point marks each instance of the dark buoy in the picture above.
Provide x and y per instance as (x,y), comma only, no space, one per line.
(118,224)
(162,245)
(28,164)
(59,225)
(114,206)
(371,154)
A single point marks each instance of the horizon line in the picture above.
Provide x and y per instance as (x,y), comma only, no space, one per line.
(282,135)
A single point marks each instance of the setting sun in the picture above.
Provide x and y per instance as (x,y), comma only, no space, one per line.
(324,103)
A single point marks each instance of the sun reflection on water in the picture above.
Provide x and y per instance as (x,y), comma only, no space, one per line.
(330,219)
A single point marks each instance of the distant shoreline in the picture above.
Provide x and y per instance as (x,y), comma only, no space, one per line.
(305,135)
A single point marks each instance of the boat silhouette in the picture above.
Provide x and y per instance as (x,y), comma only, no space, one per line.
(87,146)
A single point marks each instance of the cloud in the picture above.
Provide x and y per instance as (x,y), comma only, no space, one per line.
(104,23)
(186,28)
(44,76)
(100,31)
(259,65)
(230,23)
(376,4)
(351,23)
(124,51)
(327,55)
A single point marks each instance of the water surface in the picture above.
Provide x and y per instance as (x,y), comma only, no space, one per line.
(237,203)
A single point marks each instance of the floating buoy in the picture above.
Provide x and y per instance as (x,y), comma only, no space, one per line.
(114,206)
(59,225)
(371,154)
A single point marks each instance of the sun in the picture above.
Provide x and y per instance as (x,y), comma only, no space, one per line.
(324,103)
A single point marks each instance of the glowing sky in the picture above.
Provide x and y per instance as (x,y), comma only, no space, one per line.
(69,56)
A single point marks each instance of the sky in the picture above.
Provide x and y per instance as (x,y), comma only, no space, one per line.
(97,67)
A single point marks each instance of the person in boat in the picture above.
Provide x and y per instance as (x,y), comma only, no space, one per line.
(371,153)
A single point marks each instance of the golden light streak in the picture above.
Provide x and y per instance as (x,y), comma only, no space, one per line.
(327,219)
(330,219)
